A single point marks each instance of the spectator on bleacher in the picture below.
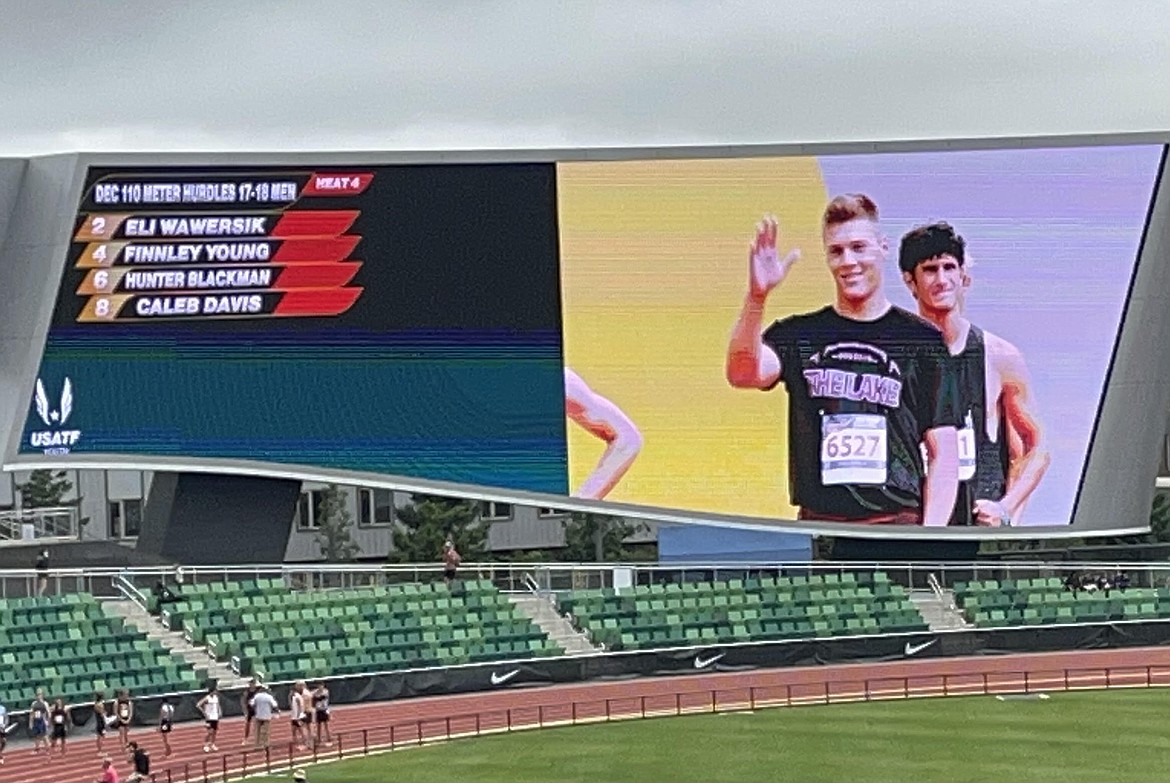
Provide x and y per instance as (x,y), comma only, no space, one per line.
(1104,584)
(3,730)
(59,721)
(42,567)
(109,774)
(1121,581)
(451,561)
(1072,582)
(141,760)
(163,595)
(123,715)
(266,708)
(212,712)
(247,708)
(100,719)
(166,721)
(321,710)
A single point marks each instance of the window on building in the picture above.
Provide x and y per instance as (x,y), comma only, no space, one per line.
(375,507)
(309,509)
(489,509)
(552,512)
(125,518)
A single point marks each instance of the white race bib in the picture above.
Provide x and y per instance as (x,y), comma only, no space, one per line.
(967,457)
(854,449)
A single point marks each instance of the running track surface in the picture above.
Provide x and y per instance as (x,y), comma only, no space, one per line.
(440,716)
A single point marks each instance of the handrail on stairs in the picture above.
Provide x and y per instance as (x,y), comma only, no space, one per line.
(940,594)
(127,588)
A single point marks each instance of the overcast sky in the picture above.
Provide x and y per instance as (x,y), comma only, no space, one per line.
(230,74)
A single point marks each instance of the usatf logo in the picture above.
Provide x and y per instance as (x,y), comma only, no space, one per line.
(54,440)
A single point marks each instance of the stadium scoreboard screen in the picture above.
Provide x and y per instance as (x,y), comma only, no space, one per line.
(266,246)
(911,339)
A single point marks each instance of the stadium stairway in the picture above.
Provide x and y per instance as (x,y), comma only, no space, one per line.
(941,613)
(544,614)
(198,657)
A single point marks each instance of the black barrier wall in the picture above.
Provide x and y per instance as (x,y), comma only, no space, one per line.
(388,686)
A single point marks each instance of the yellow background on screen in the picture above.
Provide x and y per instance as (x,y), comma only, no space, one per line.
(654,260)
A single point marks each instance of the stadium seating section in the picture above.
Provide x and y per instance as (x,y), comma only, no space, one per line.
(799,607)
(995,604)
(71,648)
(283,634)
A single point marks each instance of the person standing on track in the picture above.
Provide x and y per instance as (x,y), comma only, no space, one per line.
(321,710)
(867,382)
(124,714)
(212,713)
(266,709)
(1002,456)
(100,720)
(299,714)
(3,730)
(38,721)
(166,720)
(59,720)
(246,707)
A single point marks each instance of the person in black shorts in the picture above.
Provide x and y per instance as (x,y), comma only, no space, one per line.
(1002,456)
(867,382)
(451,561)
(166,722)
(248,709)
(321,712)
(100,719)
(59,726)
(124,716)
(141,760)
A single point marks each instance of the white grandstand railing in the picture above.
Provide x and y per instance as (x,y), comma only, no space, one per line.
(556,577)
(38,524)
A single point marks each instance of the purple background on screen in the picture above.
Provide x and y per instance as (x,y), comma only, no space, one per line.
(1054,236)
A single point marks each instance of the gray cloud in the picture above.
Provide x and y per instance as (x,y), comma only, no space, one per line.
(530,73)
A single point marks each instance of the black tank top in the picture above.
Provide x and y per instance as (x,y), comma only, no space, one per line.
(983,462)
(123,709)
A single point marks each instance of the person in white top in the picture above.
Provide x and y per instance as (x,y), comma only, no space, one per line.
(296,705)
(265,707)
(210,707)
(166,720)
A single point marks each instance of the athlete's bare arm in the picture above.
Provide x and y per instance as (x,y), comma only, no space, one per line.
(750,363)
(941,486)
(601,418)
(1029,456)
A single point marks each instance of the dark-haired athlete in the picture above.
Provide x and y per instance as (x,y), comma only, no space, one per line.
(867,382)
(1002,457)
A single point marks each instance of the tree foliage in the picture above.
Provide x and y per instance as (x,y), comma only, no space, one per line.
(45,489)
(429,521)
(581,539)
(335,526)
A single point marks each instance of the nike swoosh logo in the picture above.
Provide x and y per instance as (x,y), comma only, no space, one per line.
(912,649)
(500,679)
(703,663)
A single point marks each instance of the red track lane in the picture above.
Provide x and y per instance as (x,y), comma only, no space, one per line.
(442,716)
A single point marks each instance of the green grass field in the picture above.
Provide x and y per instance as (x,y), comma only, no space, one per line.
(1114,736)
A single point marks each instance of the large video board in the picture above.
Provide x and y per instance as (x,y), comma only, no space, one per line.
(903,339)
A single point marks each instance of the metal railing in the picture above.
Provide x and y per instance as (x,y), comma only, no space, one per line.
(570,711)
(37,524)
(558,577)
